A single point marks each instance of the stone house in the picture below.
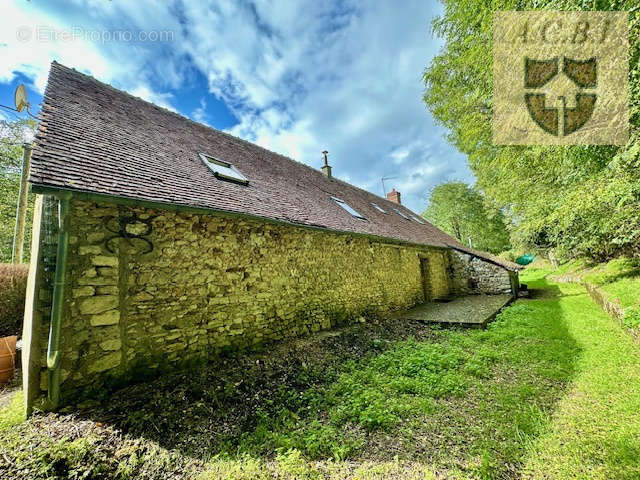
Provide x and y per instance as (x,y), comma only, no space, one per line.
(159,241)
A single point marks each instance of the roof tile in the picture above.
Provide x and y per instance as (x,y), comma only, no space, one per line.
(95,138)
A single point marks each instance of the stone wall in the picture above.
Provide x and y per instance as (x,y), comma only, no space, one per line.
(472,275)
(213,283)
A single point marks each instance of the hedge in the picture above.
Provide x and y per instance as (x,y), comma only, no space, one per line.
(13,285)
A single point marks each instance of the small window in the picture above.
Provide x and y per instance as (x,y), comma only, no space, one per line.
(348,208)
(401,214)
(223,170)
(419,220)
(378,207)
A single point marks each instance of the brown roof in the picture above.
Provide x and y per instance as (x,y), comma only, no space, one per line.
(95,138)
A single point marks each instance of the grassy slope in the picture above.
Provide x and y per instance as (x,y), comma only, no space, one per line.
(595,429)
(550,390)
(618,278)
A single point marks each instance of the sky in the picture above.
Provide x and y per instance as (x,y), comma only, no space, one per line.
(296,77)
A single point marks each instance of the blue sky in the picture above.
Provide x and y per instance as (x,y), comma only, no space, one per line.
(294,77)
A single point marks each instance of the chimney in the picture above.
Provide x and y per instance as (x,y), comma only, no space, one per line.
(326,169)
(394,196)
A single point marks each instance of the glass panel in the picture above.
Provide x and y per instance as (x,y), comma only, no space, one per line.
(401,214)
(223,170)
(379,208)
(348,208)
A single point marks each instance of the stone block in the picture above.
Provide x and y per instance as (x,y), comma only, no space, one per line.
(95,237)
(85,291)
(114,344)
(98,304)
(107,290)
(89,250)
(107,271)
(104,261)
(111,317)
(97,281)
(106,362)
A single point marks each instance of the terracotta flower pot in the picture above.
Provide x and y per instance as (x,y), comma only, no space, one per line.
(7,358)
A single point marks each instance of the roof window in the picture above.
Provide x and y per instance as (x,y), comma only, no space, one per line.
(419,220)
(378,207)
(223,170)
(348,208)
(401,214)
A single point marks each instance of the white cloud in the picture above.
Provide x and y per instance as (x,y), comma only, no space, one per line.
(30,39)
(199,114)
(160,99)
(305,77)
(301,77)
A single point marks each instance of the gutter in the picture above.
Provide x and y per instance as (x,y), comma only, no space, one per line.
(53,350)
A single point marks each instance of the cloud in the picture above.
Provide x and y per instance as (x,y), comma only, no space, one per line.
(299,77)
(34,34)
(160,99)
(305,77)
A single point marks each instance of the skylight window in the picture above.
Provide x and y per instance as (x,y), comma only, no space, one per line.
(348,208)
(401,214)
(223,170)
(419,220)
(378,207)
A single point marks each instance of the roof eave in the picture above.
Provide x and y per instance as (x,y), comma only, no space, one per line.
(131,201)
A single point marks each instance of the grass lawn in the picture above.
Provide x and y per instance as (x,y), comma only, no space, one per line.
(550,390)
(618,279)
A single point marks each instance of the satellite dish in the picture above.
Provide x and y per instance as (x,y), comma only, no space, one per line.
(20,98)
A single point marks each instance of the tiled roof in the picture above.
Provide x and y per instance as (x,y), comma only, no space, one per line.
(95,138)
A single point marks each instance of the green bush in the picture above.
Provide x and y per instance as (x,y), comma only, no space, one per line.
(13,285)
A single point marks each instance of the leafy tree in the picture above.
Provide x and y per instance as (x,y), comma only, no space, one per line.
(12,136)
(580,200)
(461,211)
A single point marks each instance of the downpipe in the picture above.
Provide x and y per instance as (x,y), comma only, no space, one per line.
(53,350)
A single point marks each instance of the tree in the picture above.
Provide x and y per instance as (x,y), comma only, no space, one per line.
(577,199)
(12,136)
(461,211)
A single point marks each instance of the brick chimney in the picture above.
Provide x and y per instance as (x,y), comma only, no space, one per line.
(326,169)
(394,196)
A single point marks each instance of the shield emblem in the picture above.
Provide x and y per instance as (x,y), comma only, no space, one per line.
(540,73)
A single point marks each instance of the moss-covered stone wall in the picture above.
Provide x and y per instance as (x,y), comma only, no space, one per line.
(472,275)
(213,283)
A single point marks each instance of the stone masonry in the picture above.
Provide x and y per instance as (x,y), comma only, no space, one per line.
(212,283)
(472,275)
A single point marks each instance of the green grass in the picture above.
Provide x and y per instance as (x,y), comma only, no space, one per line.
(550,390)
(12,414)
(618,278)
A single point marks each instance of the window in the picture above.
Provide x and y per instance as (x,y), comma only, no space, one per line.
(378,207)
(419,220)
(348,208)
(401,214)
(223,170)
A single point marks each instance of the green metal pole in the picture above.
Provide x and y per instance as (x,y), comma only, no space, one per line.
(53,351)
(21,212)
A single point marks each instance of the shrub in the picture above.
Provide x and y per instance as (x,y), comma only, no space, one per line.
(13,285)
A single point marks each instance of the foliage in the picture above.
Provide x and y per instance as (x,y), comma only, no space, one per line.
(12,136)
(13,414)
(13,284)
(581,200)
(461,211)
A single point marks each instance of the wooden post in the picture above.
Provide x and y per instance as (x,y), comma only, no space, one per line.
(21,212)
